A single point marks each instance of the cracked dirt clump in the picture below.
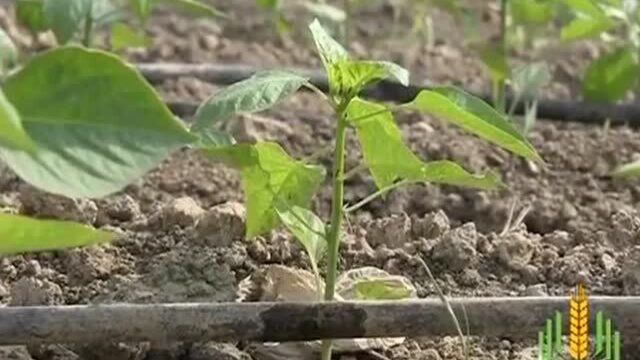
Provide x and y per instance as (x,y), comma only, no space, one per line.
(221,225)
(456,249)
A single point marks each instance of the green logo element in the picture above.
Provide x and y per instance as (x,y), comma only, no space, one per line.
(606,344)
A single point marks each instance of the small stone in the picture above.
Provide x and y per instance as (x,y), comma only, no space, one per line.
(470,277)
(29,291)
(514,250)
(32,268)
(123,208)
(457,248)
(391,231)
(183,212)
(607,262)
(251,128)
(3,291)
(428,354)
(88,264)
(536,290)
(217,351)
(14,353)
(222,225)
(46,205)
(569,211)
(631,272)
(431,225)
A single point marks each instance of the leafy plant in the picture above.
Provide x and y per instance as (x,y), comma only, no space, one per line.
(72,20)
(68,127)
(610,77)
(278,188)
(519,22)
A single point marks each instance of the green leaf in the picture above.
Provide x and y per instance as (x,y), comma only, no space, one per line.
(65,16)
(496,62)
(195,8)
(210,138)
(584,28)
(630,170)
(103,12)
(532,11)
(271,180)
(258,93)
(330,51)
(142,9)
(98,125)
(382,289)
(12,134)
(8,52)
(347,77)
(611,76)
(269,4)
(326,11)
(395,161)
(474,116)
(586,7)
(30,13)
(528,80)
(123,36)
(308,229)
(20,234)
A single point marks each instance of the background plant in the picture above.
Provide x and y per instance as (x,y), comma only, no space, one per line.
(78,20)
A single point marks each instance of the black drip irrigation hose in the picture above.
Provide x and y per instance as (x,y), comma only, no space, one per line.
(563,111)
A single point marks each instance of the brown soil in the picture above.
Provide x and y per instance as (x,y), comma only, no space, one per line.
(181,226)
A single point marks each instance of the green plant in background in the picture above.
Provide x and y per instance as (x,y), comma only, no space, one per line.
(77,20)
(278,188)
(519,20)
(612,75)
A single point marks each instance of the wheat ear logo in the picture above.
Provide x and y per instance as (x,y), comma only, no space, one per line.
(603,345)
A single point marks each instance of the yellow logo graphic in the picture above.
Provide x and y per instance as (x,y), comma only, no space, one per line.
(604,345)
(579,324)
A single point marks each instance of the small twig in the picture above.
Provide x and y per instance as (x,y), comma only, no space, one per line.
(374,196)
(444,300)
(507,224)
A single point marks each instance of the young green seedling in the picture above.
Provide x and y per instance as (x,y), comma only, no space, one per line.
(278,188)
(612,75)
(519,21)
(79,19)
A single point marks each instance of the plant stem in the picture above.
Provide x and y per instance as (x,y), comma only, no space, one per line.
(333,237)
(501,86)
(374,196)
(88,30)
(347,21)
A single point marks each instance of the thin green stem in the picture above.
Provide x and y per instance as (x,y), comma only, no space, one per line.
(375,195)
(347,21)
(333,237)
(501,86)
(88,30)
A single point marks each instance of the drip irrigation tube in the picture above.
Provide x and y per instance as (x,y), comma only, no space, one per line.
(515,318)
(568,111)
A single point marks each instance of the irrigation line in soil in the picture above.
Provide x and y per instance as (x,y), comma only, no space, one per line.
(576,111)
(285,321)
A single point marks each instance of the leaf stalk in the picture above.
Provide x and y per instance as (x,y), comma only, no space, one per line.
(333,236)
